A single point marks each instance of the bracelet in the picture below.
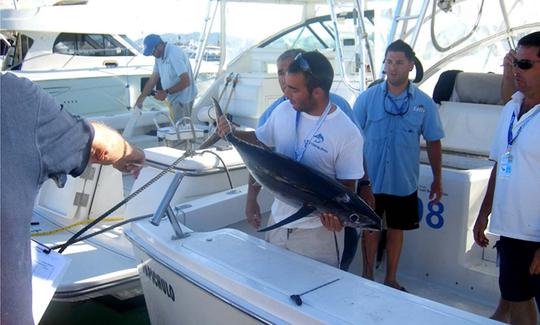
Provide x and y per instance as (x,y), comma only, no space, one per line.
(364,182)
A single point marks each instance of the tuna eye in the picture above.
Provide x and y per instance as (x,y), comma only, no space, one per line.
(354,218)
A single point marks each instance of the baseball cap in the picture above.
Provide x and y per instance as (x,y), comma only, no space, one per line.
(150,43)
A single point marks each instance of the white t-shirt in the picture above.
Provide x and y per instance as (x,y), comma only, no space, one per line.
(516,203)
(335,150)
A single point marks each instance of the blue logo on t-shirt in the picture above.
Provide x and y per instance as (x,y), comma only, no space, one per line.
(318,138)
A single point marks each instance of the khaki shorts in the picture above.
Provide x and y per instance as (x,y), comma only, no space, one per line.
(181,110)
(316,243)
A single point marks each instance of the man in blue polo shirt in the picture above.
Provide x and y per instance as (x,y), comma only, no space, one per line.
(173,69)
(393,115)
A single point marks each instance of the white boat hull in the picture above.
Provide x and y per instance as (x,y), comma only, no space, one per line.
(229,277)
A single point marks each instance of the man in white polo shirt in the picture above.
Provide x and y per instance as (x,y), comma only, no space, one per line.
(512,195)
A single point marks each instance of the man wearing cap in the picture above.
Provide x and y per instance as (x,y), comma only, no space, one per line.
(173,69)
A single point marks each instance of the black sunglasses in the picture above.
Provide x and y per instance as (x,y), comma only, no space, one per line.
(302,63)
(524,64)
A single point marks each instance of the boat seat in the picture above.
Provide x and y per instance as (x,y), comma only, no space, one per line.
(468,87)
(468,104)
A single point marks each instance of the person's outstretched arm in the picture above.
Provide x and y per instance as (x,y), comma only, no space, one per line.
(109,147)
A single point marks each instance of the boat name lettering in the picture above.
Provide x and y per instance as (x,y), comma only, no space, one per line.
(159,282)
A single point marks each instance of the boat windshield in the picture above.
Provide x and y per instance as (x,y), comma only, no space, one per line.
(131,42)
(313,34)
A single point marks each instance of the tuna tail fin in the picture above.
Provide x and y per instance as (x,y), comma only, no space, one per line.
(302,212)
(217,107)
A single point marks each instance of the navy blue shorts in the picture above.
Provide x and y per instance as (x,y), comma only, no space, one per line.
(515,281)
(400,212)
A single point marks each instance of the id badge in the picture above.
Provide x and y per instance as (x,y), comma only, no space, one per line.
(505,164)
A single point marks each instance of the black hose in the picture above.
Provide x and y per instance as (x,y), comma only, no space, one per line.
(72,239)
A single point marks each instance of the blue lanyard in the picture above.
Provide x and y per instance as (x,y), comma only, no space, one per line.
(299,151)
(405,105)
(510,137)
(400,110)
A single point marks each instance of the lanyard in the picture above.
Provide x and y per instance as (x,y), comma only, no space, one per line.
(300,150)
(510,137)
(400,110)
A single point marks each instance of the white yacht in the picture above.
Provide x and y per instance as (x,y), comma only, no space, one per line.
(93,69)
(239,278)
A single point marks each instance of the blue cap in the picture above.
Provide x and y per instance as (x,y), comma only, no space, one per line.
(150,43)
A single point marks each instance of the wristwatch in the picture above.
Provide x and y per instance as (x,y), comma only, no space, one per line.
(167,91)
(364,182)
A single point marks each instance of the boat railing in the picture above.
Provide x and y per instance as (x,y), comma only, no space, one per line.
(164,208)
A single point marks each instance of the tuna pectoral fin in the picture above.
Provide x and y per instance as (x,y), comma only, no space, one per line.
(302,212)
(210,141)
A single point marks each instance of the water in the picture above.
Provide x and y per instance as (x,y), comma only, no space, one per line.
(97,311)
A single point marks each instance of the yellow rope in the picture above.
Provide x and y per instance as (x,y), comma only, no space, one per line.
(82,222)
(171,109)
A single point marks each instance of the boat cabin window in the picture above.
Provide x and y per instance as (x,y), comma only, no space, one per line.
(15,54)
(89,45)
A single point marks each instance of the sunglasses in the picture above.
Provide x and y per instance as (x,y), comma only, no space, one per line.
(524,64)
(302,63)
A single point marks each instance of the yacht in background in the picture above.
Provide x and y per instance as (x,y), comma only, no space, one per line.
(93,69)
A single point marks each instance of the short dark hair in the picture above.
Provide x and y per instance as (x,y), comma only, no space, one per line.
(290,54)
(320,73)
(400,46)
(531,40)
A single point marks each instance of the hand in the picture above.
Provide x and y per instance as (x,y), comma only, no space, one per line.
(253,213)
(508,61)
(435,194)
(331,222)
(478,231)
(224,127)
(140,101)
(535,265)
(160,95)
(367,195)
(132,162)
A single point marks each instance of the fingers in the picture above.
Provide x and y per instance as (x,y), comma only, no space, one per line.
(478,232)
(134,169)
(435,197)
(224,126)
(253,214)
(435,194)
(366,194)
(535,265)
(160,95)
(331,222)
(254,220)
(509,59)
(481,239)
(131,163)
